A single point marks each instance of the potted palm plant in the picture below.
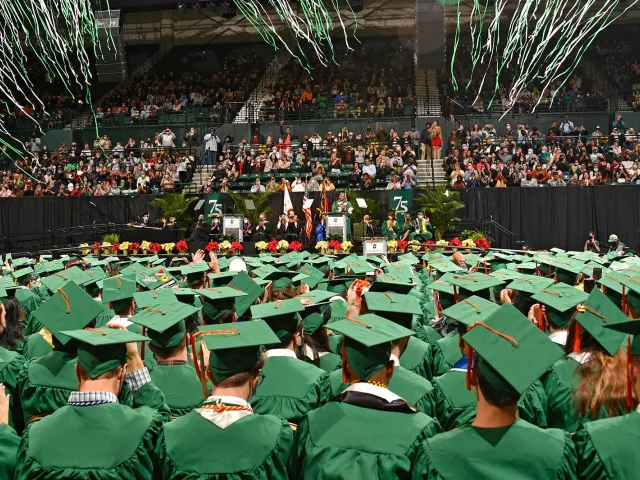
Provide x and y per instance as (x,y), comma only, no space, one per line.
(442,205)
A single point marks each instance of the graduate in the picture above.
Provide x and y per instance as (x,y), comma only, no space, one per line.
(11,362)
(390,227)
(608,448)
(291,387)
(118,292)
(45,383)
(246,444)
(94,436)
(9,439)
(367,431)
(315,346)
(164,321)
(509,353)
(423,230)
(588,383)
(342,205)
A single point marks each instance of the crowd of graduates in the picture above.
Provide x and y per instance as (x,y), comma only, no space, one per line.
(426,365)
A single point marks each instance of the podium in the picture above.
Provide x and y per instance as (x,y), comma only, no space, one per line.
(336,223)
(374,246)
(232,225)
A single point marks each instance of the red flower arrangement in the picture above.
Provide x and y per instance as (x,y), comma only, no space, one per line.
(155,248)
(295,246)
(482,243)
(431,244)
(272,246)
(115,247)
(236,247)
(95,246)
(402,244)
(212,247)
(134,246)
(335,244)
(182,246)
(455,242)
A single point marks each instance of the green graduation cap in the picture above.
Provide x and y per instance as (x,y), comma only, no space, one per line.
(23,275)
(95,275)
(612,282)
(561,300)
(336,285)
(530,284)
(512,352)
(567,270)
(282,315)
(145,260)
(164,321)
(311,323)
(195,272)
(145,299)
(393,306)
(19,262)
(102,350)
(409,258)
(222,278)
(629,327)
(121,287)
(235,348)
(474,282)
(443,265)
(219,300)
(134,268)
(52,267)
(253,291)
(57,279)
(387,283)
(158,262)
(597,312)
(471,310)
(444,289)
(70,308)
(314,297)
(264,270)
(284,279)
(314,275)
(155,277)
(367,342)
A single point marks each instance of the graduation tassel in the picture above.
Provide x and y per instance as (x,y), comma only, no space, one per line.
(142,347)
(469,363)
(344,362)
(486,270)
(623,304)
(540,319)
(629,392)
(194,355)
(538,272)
(549,272)
(456,298)
(203,375)
(576,339)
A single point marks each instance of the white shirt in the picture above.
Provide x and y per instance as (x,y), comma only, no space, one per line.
(211,142)
(559,337)
(120,321)
(380,392)
(281,352)
(370,169)
(225,418)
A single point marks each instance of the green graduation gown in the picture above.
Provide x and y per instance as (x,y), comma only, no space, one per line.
(336,207)
(290,388)
(456,406)
(37,345)
(9,442)
(108,441)
(11,364)
(446,352)
(518,451)
(559,383)
(29,302)
(360,435)
(389,232)
(415,390)
(427,334)
(327,361)
(608,449)
(418,358)
(253,447)
(180,385)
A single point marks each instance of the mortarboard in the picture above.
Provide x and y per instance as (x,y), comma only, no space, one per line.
(144,299)
(155,278)
(195,272)
(218,300)
(253,291)
(121,287)
(560,300)
(282,315)
(471,310)
(164,321)
(597,312)
(57,279)
(393,306)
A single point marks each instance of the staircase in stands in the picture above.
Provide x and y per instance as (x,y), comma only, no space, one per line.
(593,71)
(200,177)
(427,94)
(250,111)
(425,179)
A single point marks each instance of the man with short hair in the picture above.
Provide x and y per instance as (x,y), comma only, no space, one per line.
(211,140)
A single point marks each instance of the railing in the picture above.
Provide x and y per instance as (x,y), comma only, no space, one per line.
(58,118)
(190,116)
(350,112)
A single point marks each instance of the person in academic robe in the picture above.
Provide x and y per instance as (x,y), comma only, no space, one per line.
(95,436)
(263,231)
(342,205)
(9,439)
(254,445)
(608,448)
(367,431)
(509,353)
(422,229)
(315,345)
(292,227)
(369,226)
(390,228)
(247,230)
(291,387)
(164,321)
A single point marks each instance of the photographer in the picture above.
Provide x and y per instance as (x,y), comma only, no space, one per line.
(166,138)
(615,245)
(408,183)
(592,245)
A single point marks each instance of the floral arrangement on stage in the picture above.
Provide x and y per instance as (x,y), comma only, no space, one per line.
(124,247)
(430,245)
(414,245)
(483,243)
(295,246)
(346,246)
(468,243)
(283,245)
(155,248)
(106,248)
(183,247)
(442,243)
(168,247)
(134,247)
(261,246)
(145,247)
(85,251)
(455,242)
(392,245)
(225,246)
(402,245)
(236,247)
(212,247)
(322,246)
(272,246)
(335,246)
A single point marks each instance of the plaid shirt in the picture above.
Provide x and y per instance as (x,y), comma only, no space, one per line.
(135,380)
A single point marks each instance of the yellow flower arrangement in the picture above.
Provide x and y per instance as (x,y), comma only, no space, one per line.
(225,246)
(413,245)
(322,245)
(145,245)
(124,246)
(283,244)
(441,243)
(86,251)
(168,247)
(261,246)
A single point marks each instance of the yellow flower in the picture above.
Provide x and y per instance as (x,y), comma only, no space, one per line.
(145,245)
(124,246)
(226,245)
(283,244)
(322,245)
(261,246)
(345,245)
(392,244)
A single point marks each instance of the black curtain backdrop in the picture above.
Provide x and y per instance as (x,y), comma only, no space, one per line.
(543,217)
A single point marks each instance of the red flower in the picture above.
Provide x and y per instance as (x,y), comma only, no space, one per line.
(402,244)
(155,248)
(272,245)
(482,243)
(182,245)
(115,247)
(335,244)
(236,247)
(95,246)
(455,242)
(430,242)
(134,246)
(212,247)
(295,245)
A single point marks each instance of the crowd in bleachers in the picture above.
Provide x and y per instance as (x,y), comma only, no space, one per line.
(163,164)
(373,159)
(376,80)
(564,155)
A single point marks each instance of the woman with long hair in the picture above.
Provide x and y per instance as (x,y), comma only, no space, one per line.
(12,334)
(390,226)
(315,346)
(436,140)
